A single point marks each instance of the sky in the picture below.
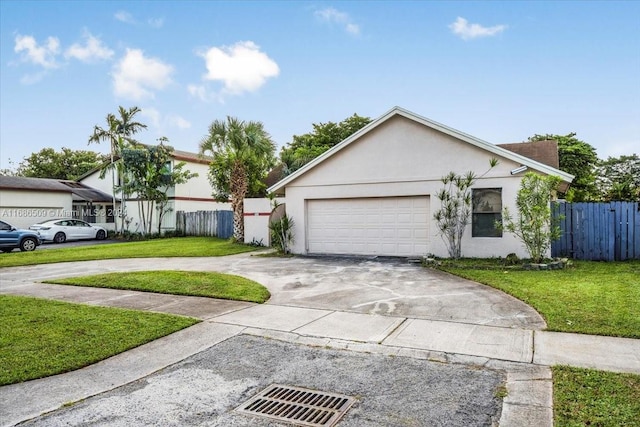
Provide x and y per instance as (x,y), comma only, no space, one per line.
(500,71)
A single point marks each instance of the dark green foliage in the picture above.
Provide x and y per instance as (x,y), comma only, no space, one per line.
(308,146)
(579,159)
(150,175)
(618,178)
(242,155)
(65,164)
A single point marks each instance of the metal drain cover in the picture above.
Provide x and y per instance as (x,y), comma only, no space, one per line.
(299,406)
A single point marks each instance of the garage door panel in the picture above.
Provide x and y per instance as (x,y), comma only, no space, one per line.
(369,226)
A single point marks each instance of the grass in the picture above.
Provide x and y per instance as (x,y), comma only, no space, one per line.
(43,337)
(599,298)
(213,285)
(172,247)
(584,397)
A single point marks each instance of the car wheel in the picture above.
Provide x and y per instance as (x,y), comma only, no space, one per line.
(60,237)
(101,235)
(6,250)
(28,244)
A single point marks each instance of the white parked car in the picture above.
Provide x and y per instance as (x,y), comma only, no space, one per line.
(61,230)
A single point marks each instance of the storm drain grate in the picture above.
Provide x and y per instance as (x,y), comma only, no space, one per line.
(299,406)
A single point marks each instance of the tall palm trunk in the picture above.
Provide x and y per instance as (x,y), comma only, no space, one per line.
(238,187)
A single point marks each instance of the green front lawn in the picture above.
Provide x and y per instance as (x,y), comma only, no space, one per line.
(44,337)
(584,397)
(213,285)
(172,247)
(600,298)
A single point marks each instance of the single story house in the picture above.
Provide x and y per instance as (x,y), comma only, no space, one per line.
(26,201)
(194,195)
(375,192)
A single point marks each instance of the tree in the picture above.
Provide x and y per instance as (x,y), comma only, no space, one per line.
(307,147)
(579,159)
(281,229)
(65,164)
(618,178)
(455,210)
(242,155)
(151,175)
(534,225)
(119,133)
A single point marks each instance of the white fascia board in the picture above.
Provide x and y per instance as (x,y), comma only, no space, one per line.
(492,148)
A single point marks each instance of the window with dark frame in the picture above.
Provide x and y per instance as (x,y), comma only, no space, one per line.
(487,209)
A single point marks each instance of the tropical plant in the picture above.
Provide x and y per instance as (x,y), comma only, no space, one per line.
(534,225)
(65,164)
(119,133)
(579,159)
(455,210)
(618,178)
(281,229)
(150,175)
(242,154)
(308,146)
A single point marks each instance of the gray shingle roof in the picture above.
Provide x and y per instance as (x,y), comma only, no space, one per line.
(79,191)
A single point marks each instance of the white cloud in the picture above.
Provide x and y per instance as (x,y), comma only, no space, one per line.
(160,122)
(43,55)
(29,79)
(136,76)
(127,18)
(156,22)
(124,16)
(152,115)
(241,67)
(179,122)
(334,16)
(198,91)
(93,50)
(466,31)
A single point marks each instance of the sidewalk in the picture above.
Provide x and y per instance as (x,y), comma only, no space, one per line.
(524,354)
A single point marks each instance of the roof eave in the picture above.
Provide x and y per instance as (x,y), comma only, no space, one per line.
(492,148)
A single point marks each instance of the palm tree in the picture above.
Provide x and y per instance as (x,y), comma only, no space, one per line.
(119,132)
(242,154)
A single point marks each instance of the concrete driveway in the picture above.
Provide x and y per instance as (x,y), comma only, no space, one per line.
(386,287)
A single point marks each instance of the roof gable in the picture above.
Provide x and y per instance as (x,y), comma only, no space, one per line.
(398,111)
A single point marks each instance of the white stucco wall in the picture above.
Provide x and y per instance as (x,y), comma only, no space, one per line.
(256,219)
(194,195)
(22,208)
(404,158)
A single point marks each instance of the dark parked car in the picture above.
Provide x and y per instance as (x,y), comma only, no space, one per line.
(11,238)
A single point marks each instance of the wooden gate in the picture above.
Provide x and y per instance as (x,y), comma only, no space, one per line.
(598,231)
(205,223)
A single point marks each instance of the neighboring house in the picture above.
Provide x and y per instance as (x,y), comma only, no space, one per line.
(26,201)
(194,195)
(374,193)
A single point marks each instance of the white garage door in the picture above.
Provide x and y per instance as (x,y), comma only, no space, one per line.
(397,226)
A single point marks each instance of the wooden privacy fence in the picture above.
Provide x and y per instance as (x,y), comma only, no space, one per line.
(205,223)
(598,231)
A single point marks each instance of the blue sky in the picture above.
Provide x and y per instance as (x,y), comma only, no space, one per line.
(500,71)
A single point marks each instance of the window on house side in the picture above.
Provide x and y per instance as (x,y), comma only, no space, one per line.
(487,209)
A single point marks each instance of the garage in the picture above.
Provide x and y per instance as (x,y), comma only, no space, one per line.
(390,226)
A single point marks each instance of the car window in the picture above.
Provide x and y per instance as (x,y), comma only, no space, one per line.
(4,226)
(62,223)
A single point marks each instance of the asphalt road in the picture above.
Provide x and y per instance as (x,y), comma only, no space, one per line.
(204,389)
